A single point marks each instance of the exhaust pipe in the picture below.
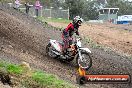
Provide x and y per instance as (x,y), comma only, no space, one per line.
(58,54)
(55,52)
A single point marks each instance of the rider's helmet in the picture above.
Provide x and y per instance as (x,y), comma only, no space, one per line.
(77,20)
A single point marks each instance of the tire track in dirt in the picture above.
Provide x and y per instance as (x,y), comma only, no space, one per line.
(107,62)
(20,43)
(114,36)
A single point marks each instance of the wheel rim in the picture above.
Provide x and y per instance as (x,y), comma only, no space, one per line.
(85,62)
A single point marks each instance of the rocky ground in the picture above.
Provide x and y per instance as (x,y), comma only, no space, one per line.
(23,38)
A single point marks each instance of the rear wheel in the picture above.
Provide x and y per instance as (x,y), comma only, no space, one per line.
(85,62)
(49,52)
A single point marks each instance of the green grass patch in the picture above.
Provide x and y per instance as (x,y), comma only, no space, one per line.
(49,80)
(14,69)
(37,79)
(43,19)
(46,20)
(11,68)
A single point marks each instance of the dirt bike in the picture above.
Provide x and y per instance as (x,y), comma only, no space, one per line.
(76,51)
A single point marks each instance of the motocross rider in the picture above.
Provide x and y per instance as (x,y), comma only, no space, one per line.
(69,31)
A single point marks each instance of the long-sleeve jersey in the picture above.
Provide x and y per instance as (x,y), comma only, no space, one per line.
(71,29)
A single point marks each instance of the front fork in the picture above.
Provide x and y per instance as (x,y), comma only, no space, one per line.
(79,52)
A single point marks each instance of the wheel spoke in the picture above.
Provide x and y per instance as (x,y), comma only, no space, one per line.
(85,62)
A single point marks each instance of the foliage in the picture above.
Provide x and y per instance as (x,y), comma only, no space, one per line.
(48,79)
(6,1)
(14,69)
(124,6)
(87,9)
(90,10)
(75,7)
(11,68)
(37,79)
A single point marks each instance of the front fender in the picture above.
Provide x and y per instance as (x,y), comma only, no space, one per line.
(85,49)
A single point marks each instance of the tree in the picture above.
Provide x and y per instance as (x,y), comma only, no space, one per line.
(75,7)
(87,9)
(124,6)
(55,3)
(90,10)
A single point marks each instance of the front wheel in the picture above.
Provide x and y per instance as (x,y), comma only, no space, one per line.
(85,62)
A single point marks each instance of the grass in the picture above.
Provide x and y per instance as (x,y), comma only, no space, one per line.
(37,79)
(46,20)
(43,19)
(11,68)
(49,79)
(14,69)
(91,43)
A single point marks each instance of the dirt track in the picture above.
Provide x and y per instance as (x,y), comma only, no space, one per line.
(22,38)
(118,37)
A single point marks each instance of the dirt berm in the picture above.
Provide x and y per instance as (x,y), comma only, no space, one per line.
(23,38)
